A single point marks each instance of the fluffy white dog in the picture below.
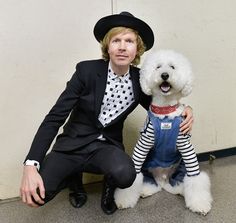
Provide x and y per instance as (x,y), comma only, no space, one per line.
(164,158)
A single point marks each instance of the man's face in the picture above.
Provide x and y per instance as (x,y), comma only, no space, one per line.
(122,50)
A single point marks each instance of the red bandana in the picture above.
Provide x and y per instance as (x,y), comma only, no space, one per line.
(163,110)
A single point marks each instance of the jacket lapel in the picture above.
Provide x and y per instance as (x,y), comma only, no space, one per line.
(101,80)
(134,73)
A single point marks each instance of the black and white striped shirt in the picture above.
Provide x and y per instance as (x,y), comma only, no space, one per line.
(183,144)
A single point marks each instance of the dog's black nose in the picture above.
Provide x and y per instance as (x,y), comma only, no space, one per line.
(164,76)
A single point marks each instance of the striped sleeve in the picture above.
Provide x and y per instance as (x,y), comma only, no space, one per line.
(188,154)
(143,146)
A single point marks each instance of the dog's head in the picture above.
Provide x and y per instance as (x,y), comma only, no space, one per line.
(166,72)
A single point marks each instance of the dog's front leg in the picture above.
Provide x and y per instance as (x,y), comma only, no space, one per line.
(197,193)
(128,197)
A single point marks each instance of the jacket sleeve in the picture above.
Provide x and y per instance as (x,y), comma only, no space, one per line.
(56,117)
(145,100)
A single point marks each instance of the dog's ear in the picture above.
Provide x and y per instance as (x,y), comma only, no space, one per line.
(186,90)
(144,83)
(188,76)
(188,87)
(146,71)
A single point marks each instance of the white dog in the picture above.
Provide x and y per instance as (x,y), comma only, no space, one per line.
(164,158)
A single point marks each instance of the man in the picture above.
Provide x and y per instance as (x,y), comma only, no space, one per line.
(98,98)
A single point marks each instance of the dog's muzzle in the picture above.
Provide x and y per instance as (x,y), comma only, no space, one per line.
(165,85)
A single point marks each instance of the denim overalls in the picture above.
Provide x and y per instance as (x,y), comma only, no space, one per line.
(164,153)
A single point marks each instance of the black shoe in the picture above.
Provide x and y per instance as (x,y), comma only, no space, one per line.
(78,195)
(77,200)
(108,204)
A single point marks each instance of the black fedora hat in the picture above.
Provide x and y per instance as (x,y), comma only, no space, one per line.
(124,19)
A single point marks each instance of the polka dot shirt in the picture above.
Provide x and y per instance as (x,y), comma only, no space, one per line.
(117,98)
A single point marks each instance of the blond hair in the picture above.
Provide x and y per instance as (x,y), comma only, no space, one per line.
(117,30)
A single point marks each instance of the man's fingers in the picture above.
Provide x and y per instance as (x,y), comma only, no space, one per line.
(186,131)
(41,191)
(186,127)
(29,200)
(23,197)
(37,198)
(187,121)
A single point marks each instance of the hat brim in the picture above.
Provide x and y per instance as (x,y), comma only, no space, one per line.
(106,23)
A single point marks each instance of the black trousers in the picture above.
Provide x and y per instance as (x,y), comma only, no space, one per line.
(98,157)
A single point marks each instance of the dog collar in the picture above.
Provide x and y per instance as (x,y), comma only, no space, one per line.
(163,110)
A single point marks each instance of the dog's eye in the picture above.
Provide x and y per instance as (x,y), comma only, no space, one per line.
(158,67)
(172,66)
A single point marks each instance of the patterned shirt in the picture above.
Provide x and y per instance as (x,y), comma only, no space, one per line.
(117,98)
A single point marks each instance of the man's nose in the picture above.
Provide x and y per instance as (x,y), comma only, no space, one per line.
(122,45)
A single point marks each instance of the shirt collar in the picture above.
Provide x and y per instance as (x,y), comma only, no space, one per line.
(114,77)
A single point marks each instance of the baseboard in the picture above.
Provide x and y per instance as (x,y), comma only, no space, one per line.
(6,200)
(216,154)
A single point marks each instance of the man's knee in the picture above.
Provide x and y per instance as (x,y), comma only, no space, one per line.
(124,176)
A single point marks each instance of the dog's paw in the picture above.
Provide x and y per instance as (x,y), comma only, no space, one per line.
(177,189)
(149,189)
(128,197)
(201,208)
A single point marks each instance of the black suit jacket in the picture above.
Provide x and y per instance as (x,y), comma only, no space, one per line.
(82,99)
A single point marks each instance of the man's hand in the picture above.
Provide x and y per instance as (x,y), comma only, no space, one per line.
(31,181)
(187,124)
